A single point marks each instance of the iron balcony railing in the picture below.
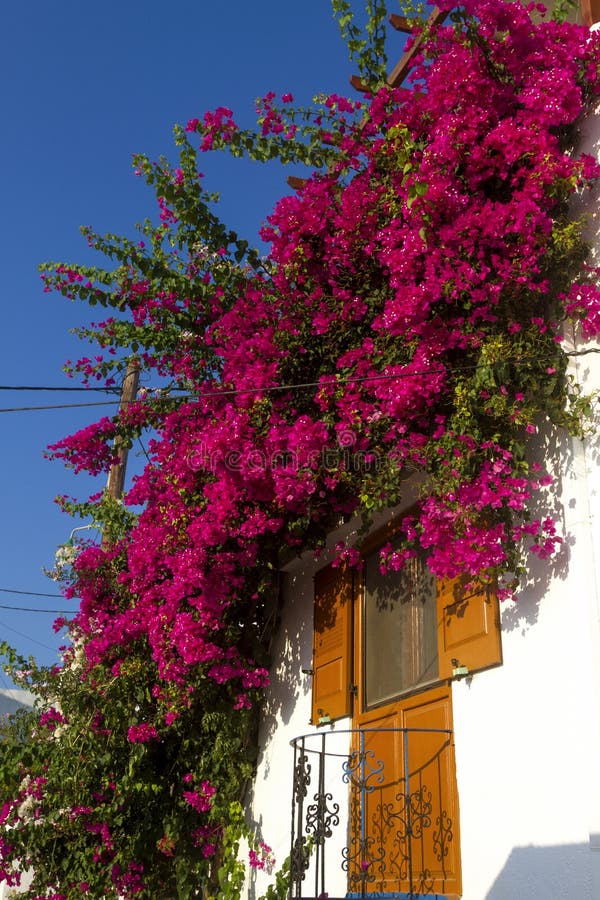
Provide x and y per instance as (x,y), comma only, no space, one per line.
(371,813)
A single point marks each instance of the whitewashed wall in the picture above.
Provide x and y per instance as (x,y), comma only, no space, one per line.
(527,741)
(286,715)
(527,734)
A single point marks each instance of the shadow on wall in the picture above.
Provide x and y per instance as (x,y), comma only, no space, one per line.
(291,655)
(561,872)
(552,449)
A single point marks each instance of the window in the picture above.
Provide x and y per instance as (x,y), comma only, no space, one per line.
(378,637)
(399,640)
(385,651)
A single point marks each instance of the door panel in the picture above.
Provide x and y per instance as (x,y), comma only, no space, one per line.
(405,829)
(381,650)
(432,783)
(404,802)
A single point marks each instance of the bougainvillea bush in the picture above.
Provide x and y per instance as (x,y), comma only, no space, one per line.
(406,320)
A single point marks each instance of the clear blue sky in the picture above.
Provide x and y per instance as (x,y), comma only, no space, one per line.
(85,85)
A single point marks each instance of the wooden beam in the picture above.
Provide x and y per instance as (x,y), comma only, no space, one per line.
(402,67)
(401,23)
(296,183)
(359,85)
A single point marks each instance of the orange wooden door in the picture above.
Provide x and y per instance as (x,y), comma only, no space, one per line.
(405,830)
(385,649)
(404,800)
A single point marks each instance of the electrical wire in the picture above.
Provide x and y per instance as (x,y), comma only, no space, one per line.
(68,612)
(144,451)
(233,392)
(37,387)
(116,402)
(27,637)
(57,406)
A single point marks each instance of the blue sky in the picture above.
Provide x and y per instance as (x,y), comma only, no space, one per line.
(83,87)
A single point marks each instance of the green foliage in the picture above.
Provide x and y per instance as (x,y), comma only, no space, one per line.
(106,796)
(366,46)
(564,10)
(232,871)
(132,767)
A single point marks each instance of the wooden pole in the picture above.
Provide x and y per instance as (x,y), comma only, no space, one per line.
(116,475)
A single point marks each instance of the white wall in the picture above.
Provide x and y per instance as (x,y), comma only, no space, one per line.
(286,716)
(527,734)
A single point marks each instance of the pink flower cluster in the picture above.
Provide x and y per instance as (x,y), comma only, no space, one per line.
(201,799)
(262,858)
(142,734)
(383,336)
(89,449)
(50,718)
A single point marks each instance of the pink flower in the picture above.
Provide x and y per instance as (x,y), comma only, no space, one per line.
(51,718)
(200,800)
(262,858)
(142,734)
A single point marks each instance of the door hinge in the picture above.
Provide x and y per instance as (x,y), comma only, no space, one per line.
(353,688)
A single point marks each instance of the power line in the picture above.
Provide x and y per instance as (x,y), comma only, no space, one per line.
(231,392)
(335,382)
(114,402)
(31,608)
(69,612)
(27,637)
(37,387)
(57,406)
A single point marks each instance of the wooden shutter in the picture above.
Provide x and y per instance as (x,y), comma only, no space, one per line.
(468,628)
(590,11)
(332,644)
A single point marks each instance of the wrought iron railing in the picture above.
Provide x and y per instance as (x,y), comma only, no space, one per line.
(370,813)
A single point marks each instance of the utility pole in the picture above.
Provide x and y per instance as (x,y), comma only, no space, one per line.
(116,475)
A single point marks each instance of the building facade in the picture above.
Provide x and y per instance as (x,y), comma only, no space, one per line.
(424,742)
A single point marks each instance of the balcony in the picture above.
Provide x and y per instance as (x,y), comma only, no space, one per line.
(372,816)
